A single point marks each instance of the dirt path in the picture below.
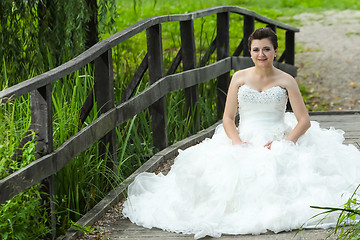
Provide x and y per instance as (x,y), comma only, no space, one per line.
(329,62)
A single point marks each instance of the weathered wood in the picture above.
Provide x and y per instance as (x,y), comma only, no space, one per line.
(41,125)
(239,48)
(170,83)
(156,69)
(86,108)
(104,96)
(249,25)
(222,46)
(124,229)
(175,63)
(53,162)
(129,91)
(282,57)
(290,48)
(208,53)
(246,62)
(238,63)
(98,49)
(272,26)
(54,74)
(189,62)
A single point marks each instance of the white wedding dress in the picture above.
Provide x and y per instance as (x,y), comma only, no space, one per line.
(216,188)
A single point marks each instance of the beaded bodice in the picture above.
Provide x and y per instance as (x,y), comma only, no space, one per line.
(262,113)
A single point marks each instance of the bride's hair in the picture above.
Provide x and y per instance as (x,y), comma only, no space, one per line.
(262,33)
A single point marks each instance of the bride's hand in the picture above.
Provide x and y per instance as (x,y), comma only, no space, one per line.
(238,142)
(268,145)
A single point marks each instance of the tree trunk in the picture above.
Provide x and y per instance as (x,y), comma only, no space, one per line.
(92,33)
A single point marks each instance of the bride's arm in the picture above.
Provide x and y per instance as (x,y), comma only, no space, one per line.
(299,109)
(230,110)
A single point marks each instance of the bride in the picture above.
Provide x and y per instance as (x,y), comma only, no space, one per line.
(262,175)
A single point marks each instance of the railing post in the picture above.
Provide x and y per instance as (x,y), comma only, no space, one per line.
(290,47)
(41,124)
(249,25)
(156,71)
(222,46)
(104,96)
(189,62)
(272,26)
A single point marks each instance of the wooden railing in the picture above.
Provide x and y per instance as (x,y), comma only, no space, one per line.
(110,116)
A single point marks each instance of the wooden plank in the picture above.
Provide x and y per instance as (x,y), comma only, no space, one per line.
(86,108)
(175,63)
(222,47)
(272,26)
(189,62)
(239,48)
(54,74)
(239,63)
(170,83)
(156,69)
(249,26)
(129,91)
(208,53)
(124,229)
(151,21)
(53,162)
(328,113)
(290,69)
(290,47)
(104,96)
(35,172)
(42,125)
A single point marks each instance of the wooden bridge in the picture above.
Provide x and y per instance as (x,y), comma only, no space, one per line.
(51,160)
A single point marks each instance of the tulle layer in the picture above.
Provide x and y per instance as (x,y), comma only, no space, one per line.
(215,188)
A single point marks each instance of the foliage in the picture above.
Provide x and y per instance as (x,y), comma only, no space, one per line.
(34,33)
(348,225)
(21,217)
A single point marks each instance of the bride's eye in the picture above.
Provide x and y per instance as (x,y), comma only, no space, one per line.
(255,49)
(267,49)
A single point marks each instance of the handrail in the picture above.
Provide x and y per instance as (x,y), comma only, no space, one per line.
(55,161)
(101,47)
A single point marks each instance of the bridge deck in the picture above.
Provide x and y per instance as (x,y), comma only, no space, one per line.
(124,229)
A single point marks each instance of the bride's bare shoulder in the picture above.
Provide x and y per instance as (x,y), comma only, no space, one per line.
(239,77)
(286,80)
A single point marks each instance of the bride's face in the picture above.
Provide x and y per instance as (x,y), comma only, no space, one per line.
(262,52)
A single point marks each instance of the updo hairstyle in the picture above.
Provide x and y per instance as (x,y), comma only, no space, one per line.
(262,33)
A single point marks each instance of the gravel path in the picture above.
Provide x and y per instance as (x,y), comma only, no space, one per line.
(329,62)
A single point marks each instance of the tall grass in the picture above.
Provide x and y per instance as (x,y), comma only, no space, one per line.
(21,217)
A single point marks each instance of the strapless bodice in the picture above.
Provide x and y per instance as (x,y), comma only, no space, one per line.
(262,114)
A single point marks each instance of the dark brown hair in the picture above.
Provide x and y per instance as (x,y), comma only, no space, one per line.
(262,33)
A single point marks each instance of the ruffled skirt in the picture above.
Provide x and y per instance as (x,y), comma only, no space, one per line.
(216,188)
